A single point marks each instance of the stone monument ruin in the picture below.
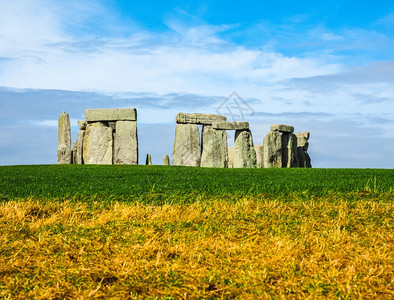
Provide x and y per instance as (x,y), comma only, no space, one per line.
(211,149)
(108,136)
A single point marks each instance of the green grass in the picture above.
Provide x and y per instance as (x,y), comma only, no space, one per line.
(156,232)
(129,182)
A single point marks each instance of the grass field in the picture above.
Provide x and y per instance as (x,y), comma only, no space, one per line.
(79,232)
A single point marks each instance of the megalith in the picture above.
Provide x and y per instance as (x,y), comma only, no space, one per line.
(78,145)
(166,160)
(272,151)
(259,156)
(214,148)
(302,147)
(64,153)
(187,151)
(126,143)
(230,151)
(201,119)
(97,144)
(148,161)
(244,152)
(289,151)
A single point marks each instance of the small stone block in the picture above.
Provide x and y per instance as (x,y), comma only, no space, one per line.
(82,124)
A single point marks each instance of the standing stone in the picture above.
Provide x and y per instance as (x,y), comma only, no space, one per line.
(74,153)
(64,154)
(187,151)
(166,160)
(285,155)
(231,157)
(126,143)
(290,148)
(214,148)
(259,156)
(302,148)
(244,153)
(272,150)
(97,144)
(148,161)
(78,148)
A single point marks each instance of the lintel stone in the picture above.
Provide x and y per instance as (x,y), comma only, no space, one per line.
(202,119)
(282,128)
(110,114)
(231,125)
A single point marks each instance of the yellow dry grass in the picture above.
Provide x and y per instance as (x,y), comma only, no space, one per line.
(255,247)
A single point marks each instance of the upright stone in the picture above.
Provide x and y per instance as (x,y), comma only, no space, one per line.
(97,144)
(187,151)
(74,153)
(285,153)
(231,157)
(302,148)
(148,161)
(291,150)
(272,150)
(126,143)
(166,160)
(259,156)
(244,152)
(78,148)
(64,154)
(214,148)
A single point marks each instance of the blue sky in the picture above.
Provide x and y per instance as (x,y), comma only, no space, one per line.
(323,66)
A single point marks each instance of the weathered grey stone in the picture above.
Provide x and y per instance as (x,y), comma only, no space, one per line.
(204,119)
(166,160)
(214,148)
(244,153)
(231,157)
(126,143)
(289,151)
(78,148)
(74,153)
(110,114)
(64,155)
(285,152)
(302,139)
(82,124)
(97,144)
(272,150)
(282,128)
(259,156)
(302,147)
(64,130)
(231,125)
(112,125)
(187,150)
(148,161)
